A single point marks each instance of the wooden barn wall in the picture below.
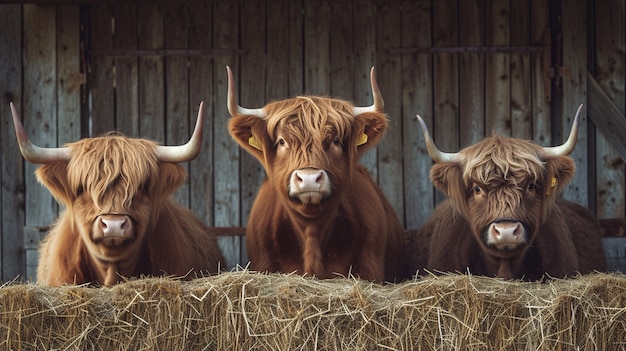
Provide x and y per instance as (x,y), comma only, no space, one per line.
(80,70)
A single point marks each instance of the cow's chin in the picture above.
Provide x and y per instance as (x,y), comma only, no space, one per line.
(116,242)
(310,197)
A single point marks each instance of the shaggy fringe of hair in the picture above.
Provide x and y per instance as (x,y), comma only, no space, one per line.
(499,157)
(244,310)
(124,171)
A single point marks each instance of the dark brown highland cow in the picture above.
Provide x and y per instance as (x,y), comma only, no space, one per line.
(503,216)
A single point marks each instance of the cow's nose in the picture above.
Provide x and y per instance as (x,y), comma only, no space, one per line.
(114,226)
(507,231)
(309,179)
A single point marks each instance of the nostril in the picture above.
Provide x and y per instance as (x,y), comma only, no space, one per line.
(518,230)
(320,178)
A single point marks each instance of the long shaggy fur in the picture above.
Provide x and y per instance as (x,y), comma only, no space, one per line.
(354,231)
(505,178)
(114,174)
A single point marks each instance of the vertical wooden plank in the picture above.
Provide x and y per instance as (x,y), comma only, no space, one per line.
(69,75)
(575,93)
(40,107)
(100,76)
(540,35)
(610,74)
(126,70)
(178,125)
(69,82)
(364,44)
(40,104)
(521,107)
(226,152)
(11,161)
(445,125)
(615,252)
(282,50)
(471,73)
(151,82)
(253,80)
(316,47)
(295,66)
(341,58)
(416,99)
(201,89)
(498,79)
(389,77)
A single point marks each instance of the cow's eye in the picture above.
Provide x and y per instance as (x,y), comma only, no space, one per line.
(336,141)
(477,190)
(281,141)
(531,187)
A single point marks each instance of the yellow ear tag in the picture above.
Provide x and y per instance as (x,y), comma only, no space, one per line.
(362,139)
(254,143)
(552,185)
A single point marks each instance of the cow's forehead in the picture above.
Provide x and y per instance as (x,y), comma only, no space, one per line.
(309,115)
(99,163)
(499,158)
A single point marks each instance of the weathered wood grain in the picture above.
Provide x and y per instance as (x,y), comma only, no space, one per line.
(497,71)
(610,62)
(364,53)
(253,80)
(179,123)
(151,73)
(575,93)
(39,112)
(520,105)
(389,75)
(417,98)
(11,161)
(125,37)
(316,46)
(201,88)
(540,36)
(471,73)
(100,77)
(445,126)
(227,198)
(69,76)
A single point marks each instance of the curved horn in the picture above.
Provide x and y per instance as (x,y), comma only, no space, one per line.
(378,104)
(568,146)
(32,152)
(233,107)
(189,151)
(434,152)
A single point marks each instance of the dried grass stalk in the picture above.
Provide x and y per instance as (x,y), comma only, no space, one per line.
(245,310)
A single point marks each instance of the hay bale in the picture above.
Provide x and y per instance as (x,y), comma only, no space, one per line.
(245,310)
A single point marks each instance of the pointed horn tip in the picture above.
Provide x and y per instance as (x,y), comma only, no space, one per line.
(20,132)
(577,117)
(200,119)
(422,124)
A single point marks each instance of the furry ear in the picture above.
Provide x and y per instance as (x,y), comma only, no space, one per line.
(250,133)
(370,128)
(54,177)
(562,169)
(448,178)
(171,177)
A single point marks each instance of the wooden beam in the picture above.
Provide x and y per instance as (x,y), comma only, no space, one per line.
(606,116)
